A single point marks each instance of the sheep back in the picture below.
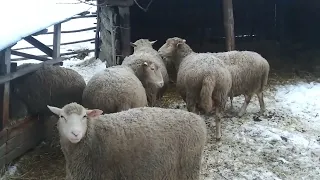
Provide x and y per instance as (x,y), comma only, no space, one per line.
(141,143)
(249,71)
(52,85)
(194,69)
(114,89)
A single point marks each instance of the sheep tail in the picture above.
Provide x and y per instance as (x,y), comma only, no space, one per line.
(208,85)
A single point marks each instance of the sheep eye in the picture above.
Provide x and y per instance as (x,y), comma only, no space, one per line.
(152,69)
(85,116)
(62,117)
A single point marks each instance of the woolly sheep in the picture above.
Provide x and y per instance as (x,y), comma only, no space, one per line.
(249,72)
(53,85)
(201,77)
(141,143)
(118,88)
(143,51)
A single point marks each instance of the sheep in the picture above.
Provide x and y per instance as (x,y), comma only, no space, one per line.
(48,85)
(201,77)
(249,72)
(118,88)
(140,143)
(143,51)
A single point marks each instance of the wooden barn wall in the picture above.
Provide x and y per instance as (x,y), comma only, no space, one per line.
(286,21)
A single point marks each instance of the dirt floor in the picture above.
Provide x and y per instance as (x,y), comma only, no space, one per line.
(248,149)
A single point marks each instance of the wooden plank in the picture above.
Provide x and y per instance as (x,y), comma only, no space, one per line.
(228,24)
(67,43)
(3,136)
(74,31)
(97,41)
(18,128)
(113,50)
(29,56)
(5,88)
(125,38)
(62,54)
(3,150)
(42,47)
(28,139)
(29,69)
(105,23)
(56,41)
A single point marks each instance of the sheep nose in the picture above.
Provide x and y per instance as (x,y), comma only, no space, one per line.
(161,83)
(76,133)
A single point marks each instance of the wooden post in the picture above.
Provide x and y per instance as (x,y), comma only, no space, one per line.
(56,41)
(97,40)
(5,59)
(124,13)
(228,24)
(112,32)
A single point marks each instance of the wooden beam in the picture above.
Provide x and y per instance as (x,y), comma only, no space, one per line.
(29,69)
(125,38)
(97,41)
(48,51)
(28,56)
(229,24)
(113,49)
(56,41)
(4,88)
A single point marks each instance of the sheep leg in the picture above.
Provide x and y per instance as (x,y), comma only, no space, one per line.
(191,103)
(231,104)
(218,123)
(245,105)
(261,102)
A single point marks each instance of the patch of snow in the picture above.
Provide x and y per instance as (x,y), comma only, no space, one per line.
(32,16)
(86,68)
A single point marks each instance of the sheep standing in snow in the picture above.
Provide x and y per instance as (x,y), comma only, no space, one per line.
(141,143)
(143,51)
(118,88)
(201,77)
(54,85)
(249,72)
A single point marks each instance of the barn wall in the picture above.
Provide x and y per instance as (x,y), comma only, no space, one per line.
(284,31)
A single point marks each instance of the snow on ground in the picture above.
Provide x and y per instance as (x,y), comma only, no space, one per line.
(281,144)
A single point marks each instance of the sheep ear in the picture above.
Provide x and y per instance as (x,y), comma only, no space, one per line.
(55,110)
(93,113)
(133,44)
(152,42)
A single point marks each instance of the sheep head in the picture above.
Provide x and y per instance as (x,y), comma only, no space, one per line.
(171,47)
(72,123)
(152,74)
(142,43)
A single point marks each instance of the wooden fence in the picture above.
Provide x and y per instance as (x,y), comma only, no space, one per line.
(92,40)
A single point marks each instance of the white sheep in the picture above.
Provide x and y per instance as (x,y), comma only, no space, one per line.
(141,143)
(201,79)
(118,88)
(143,51)
(249,72)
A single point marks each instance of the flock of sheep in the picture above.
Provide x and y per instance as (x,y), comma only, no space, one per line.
(110,128)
